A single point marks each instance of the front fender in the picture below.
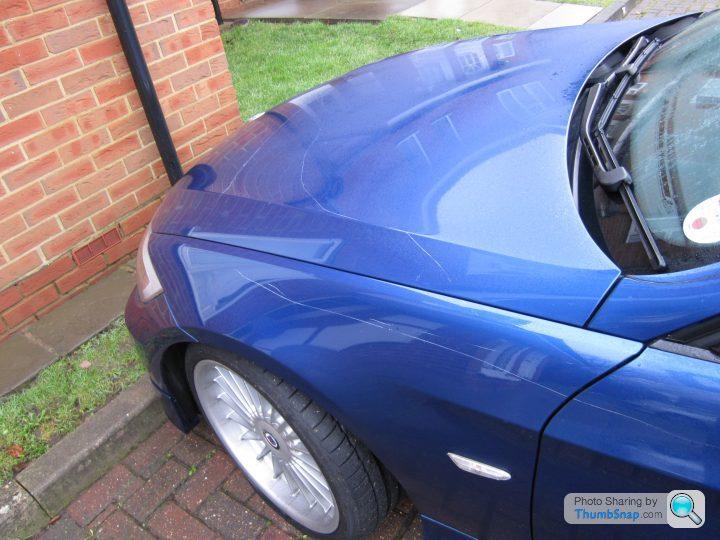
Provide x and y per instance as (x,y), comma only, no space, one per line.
(412,374)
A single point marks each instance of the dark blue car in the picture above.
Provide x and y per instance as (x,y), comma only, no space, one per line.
(486,273)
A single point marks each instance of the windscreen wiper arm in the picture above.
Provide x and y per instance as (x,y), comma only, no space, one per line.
(612,176)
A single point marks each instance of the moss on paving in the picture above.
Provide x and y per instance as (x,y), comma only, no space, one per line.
(63,394)
(272,62)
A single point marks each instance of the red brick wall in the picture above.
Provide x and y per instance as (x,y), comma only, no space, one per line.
(77,158)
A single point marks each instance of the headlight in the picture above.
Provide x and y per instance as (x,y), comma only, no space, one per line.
(148,283)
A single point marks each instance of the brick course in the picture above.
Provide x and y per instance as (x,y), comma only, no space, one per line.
(205,481)
(77,157)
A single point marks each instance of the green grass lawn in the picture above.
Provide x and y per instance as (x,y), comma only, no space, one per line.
(272,62)
(63,394)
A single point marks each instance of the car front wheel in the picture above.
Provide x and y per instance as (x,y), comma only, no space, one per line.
(299,458)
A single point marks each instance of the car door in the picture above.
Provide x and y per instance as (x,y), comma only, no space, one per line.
(651,426)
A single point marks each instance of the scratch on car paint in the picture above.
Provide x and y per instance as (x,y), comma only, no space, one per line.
(652,426)
(409,235)
(302,174)
(380,323)
(275,290)
(307,191)
(425,332)
(433,259)
(248,160)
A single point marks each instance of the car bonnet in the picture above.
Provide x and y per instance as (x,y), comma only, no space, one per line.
(444,169)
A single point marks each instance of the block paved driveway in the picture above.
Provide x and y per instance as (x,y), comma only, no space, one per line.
(665,8)
(185,486)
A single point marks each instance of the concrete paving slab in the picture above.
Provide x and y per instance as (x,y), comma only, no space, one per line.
(20,515)
(80,318)
(442,9)
(521,13)
(278,9)
(518,13)
(616,11)
(365,11)
(21,358)
(566,15)
(372,10)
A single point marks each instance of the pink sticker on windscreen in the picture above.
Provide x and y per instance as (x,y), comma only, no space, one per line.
(702,224)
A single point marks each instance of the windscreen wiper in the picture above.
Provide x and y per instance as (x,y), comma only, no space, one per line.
(612,176)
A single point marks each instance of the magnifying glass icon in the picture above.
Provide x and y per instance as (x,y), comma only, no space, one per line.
(682,506)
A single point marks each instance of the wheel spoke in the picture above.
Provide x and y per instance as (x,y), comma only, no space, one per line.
(250,435)
(239,404)
(232,381)
(295,444)
(236,412)
(268,411)
(264,452)
(293,479)
(255,398)
(316,489)
(277,466)
(314,477)
(312,474)
(307,461)
(244,390)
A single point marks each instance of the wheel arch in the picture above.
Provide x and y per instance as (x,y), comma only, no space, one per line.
(171,367)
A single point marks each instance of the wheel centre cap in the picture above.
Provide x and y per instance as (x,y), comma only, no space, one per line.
(271,440)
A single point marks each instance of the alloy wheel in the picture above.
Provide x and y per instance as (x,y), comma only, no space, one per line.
(266,447)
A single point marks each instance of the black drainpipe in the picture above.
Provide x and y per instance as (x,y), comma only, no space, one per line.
(218,13)
(146,89)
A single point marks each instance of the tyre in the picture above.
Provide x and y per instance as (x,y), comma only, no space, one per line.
(298,457)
